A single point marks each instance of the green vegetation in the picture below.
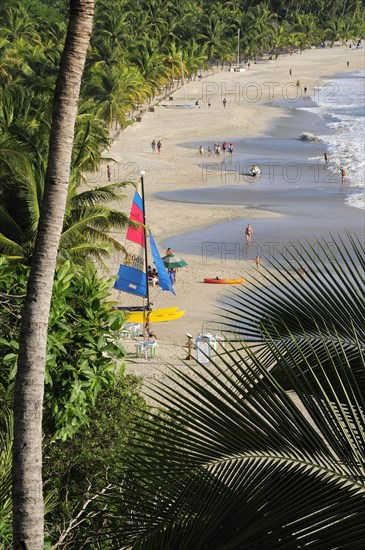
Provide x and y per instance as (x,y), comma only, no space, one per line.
(265,448)
(236,463)
(83,346)
(135,54)
(79,470)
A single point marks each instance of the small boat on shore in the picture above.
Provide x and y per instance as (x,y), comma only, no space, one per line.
(156,315)
(218,281)
(133,274)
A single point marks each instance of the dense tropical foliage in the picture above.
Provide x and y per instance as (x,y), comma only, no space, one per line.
(266,452)
(77,471)
(83,344)
(135,54)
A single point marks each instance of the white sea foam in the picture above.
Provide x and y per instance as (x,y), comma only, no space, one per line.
(341,103)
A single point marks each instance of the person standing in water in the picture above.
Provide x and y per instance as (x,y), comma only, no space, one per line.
(248,233)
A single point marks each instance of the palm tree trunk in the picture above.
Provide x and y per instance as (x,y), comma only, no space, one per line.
(28,527)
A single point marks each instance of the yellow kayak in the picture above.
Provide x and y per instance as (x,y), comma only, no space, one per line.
(156,315)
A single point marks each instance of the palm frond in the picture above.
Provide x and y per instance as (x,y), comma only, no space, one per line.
(10,225)
(237,460)
(100,195)
(319,295)
(9,247)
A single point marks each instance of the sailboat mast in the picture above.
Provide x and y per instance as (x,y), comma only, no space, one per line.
(145,239)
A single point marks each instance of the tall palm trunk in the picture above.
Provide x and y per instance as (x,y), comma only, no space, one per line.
(28,527)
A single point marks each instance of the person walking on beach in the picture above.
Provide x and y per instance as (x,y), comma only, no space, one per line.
(209,103)
(197,104)
(343,174)
(153,146)
(159,145)
(224,102)
(230,150)
(248,233)
(201,150)
(224,147)
(326,159)
(108,172)
(290,72)
(257,261)
(209,151)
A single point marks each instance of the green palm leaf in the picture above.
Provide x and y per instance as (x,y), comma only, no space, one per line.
(239,464)
(100,195)
(238,460)
(319,296)
(9,247)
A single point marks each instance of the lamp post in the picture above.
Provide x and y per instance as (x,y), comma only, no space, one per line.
(238,47)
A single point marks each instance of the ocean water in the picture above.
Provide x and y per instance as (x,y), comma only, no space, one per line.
(341,104)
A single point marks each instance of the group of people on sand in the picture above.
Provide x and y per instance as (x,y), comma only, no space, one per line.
(152,273)
(156,146)
(217,149)
(152,276)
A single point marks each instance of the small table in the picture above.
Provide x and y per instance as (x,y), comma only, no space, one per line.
(148,348)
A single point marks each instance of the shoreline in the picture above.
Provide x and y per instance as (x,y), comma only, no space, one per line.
(179,168)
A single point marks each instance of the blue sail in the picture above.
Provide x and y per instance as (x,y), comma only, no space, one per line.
(131,280)
(164,279)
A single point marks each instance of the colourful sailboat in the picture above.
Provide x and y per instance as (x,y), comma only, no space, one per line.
(133,274)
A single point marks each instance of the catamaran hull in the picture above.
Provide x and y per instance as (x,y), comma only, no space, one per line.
(156,316)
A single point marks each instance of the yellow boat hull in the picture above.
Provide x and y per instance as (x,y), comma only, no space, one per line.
(156,316)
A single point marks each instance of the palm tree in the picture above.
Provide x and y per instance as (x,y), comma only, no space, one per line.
(308,25)
(6,445)
(28,505)
(90,217)
(194,57)
(333,30)
(150,62)
(23,151)
(264,448)
(116,90)
(213,35)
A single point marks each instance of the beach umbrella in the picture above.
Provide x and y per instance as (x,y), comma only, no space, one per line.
(170,261)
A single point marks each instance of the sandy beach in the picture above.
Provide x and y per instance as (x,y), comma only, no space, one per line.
(200,205)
